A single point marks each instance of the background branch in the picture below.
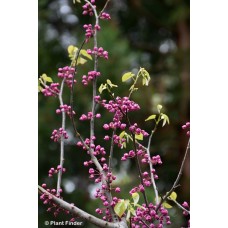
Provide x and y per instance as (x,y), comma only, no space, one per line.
(177,179)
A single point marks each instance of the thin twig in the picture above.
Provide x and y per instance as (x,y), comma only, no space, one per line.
(61,139)
(179,205)
(135,150)
(77,212)
(106,4)
(111,150)
(151,165)
(177,179)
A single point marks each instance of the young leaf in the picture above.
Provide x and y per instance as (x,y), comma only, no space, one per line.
(165,119)
(46,78)
(135,197)
(122,134)
(139,137)
(128,215)
(166,205)
(127,76)
(102,87)
(84,53)
(110,83)
(40,88)
(152,117)
(132,210)
(71,51)
(81,61)
(159,107)
(120,208)
(173,196)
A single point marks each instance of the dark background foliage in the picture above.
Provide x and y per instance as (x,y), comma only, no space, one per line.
(151,34)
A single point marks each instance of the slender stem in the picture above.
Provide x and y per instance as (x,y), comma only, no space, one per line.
(139,169)
(177,179)
(111,150)
(135,150)
(144,223)
(106,4)
(75,211)
(151,165)
(179,205)
(48,88)
(61,140)
(92,121)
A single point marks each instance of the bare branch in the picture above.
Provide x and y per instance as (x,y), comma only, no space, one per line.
(61,140)
(177,179)
(180,206)
(151,165)
(82,214)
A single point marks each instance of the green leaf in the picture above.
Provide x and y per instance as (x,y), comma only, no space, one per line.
(165,119)
(110,83)
(102,88)
(40,88)
(166,205)
(139,137)
(84,53)
(135,197)
(127,76)
(128,215)
(122,134)
(132,210)
(81,61)
(144,81)
(159,107)
(46,78)
(152,117)
(173,196)
(120,208)
(74,1)
(71,51)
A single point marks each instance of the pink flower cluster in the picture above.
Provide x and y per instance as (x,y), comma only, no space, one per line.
(105,16)
(118,107)
(51,90)
(99,52)
(47,200)
(87,9)
(57,134)
(187,127)
(67,73)
(91,76)
(136,130)
(53,171)
(185,205)
(65,108)
(89,116)
(150,215)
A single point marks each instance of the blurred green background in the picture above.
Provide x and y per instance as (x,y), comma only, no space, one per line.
(153,34)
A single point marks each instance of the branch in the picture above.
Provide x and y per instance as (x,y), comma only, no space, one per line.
(151,164)
(106,4)
(62,140)
(82,214)
(177,179)
(180,206)
(92,121)
(111,151)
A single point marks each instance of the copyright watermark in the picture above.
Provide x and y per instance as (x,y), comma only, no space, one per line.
(63,223)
